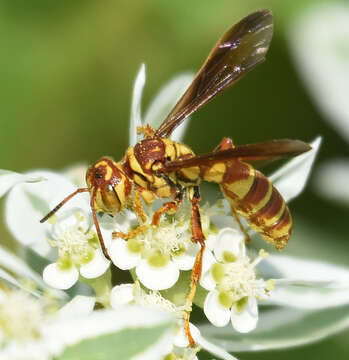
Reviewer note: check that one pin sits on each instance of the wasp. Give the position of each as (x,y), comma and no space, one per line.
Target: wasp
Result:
(158,167)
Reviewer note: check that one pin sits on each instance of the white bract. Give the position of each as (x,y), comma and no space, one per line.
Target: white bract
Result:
(178,349)
(319,39)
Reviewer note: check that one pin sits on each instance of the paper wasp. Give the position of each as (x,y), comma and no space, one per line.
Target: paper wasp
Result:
(157,167)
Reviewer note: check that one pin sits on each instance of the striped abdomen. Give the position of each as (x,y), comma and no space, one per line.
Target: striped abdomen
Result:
(253,196)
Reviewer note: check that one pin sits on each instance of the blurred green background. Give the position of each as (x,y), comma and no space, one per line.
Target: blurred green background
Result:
(67,70)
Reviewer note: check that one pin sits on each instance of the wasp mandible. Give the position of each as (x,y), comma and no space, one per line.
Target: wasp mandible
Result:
(157,167)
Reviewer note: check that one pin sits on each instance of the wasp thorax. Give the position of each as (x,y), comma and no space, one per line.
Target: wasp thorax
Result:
(108,185)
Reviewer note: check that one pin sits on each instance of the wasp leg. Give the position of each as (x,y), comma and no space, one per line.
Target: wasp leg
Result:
(197,237)
(225,144)
(242,228)
(169,207)
(140,212)
(130,234)
(138,205)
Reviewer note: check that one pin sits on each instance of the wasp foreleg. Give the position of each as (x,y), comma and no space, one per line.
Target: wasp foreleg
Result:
(138,208)
(169,207)
(197,237)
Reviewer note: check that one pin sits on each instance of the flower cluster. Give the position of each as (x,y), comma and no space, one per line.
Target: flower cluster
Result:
(232,285)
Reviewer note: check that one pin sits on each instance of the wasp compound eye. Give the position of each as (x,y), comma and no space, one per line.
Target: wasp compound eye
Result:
(98,175)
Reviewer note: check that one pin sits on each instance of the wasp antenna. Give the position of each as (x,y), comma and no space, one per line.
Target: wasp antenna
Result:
(53,211)
(99,233)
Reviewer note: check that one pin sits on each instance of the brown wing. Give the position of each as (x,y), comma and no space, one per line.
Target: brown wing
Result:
(239,50)
(274,149)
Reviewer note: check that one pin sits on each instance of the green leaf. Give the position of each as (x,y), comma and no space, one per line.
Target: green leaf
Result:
(282,328)
(123,344)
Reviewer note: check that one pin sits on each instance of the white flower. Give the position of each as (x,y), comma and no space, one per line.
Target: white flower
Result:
(78,251)
(71,230)
(232,283)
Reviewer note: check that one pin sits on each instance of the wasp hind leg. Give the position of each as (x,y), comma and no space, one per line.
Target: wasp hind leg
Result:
(197,237)
(241,226)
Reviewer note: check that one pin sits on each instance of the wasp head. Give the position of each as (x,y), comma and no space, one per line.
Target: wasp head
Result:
(108,186)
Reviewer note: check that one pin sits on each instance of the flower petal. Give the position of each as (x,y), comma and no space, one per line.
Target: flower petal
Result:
(186,260)
(246,320)
(207,281)
(214,311)
(8,179)
(165,100)
(60,279)
(136,117)
(290,179)
(121,256)
(71,218)
(96,267)
(229,240)
(181,338)
(207,261)
(331,180)
(79,305)
(157,278)
(121,295)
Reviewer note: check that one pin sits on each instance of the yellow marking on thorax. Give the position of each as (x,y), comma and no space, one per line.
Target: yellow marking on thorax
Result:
(135,165)
(191,173)
(182,149)
(170,151)
(215,173)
